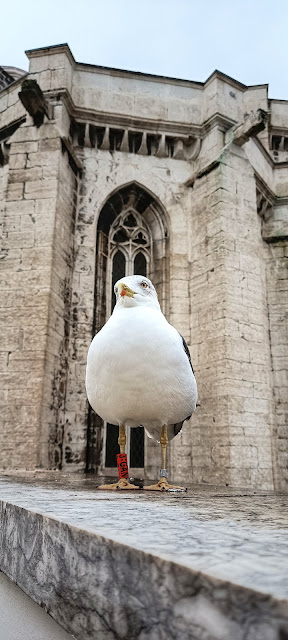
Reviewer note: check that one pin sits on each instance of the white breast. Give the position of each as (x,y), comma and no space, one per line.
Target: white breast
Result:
(138,371)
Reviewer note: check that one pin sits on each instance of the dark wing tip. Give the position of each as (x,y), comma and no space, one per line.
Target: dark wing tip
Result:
(178,428)
(179,425)
(185,346)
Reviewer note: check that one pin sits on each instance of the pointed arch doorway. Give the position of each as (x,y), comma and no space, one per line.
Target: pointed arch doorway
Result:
(132,238)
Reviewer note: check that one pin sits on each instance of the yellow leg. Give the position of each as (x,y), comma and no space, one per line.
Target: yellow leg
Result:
(123,483)
(163,484)
(164,443)
(122,438)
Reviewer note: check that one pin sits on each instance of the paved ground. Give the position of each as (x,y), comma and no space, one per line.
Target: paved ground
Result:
(23,619)
(209,563)
(234,535)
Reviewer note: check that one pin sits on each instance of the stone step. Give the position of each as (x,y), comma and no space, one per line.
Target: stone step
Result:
(210,564)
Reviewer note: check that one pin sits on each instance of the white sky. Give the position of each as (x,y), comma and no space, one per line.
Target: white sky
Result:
(246,39)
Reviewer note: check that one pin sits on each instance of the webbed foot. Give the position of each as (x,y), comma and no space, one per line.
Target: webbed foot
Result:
(163,485)
(121,485)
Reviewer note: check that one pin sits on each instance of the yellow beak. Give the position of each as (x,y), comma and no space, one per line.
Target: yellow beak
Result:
(125,291)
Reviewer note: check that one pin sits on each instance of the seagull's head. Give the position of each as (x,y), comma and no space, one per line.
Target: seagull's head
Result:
(134,291)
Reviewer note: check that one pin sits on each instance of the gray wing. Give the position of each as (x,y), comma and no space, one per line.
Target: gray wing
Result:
(178,427)
(185,347)
(174,429)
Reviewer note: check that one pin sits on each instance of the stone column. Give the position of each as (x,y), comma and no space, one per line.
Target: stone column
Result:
(60,321)
(179,449)
(231,429)
(276,233)
(38,245)
(28,231)
(81,323)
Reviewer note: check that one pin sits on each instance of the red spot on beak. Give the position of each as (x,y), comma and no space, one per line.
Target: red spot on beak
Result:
(123,293)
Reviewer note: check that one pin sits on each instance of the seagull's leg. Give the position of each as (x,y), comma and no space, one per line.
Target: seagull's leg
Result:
(123,482)
(163,484)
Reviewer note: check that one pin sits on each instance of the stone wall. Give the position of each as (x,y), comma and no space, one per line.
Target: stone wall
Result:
(27,257)
(277,272)
(224,254)
(40,190)
(60,310)
(229,332)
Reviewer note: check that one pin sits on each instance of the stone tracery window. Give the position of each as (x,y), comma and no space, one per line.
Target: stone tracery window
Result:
(129,250)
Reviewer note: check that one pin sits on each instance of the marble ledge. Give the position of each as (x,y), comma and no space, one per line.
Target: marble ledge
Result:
(211,564)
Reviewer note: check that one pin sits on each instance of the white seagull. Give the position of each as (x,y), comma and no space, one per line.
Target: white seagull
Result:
(139,372)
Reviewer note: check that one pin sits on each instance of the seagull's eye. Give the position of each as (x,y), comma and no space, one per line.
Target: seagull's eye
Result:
(115,290)
(144,285)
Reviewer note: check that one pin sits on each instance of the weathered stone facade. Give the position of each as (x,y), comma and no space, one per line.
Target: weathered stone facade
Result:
(206,166)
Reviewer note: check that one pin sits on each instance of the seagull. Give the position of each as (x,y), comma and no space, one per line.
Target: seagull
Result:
(139,372)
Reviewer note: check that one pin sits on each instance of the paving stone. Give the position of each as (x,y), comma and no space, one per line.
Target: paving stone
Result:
(210,563)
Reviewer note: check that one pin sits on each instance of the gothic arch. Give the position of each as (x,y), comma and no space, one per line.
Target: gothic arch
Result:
(147,196)
(135,198)
(132,234)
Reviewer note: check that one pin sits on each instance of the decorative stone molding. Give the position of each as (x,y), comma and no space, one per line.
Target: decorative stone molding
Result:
(148,143)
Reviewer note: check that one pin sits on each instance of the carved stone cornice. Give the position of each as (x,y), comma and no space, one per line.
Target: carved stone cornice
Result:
(103,118)
(147,143)
(121,120)
(178,140)
(217,120)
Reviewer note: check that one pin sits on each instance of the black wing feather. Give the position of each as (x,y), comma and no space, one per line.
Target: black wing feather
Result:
(185,346)
(179,425)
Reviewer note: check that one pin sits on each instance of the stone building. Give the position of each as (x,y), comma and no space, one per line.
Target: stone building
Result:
(111,172)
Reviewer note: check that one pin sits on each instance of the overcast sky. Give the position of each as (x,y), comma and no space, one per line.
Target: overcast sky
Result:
(246,39)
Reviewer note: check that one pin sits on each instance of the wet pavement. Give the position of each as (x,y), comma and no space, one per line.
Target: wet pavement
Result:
(232,534)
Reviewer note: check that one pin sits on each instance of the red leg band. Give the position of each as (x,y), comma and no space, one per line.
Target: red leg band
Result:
(122,464)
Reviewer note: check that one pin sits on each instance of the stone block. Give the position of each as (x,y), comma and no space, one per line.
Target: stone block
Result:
(45,206)
(19,208)
(9,340)
(188,614)
(25,134)
(49,144)
(23,147)
(40,189)
(25,175)
(18,161)
(11,223)
(15,191)
(36,258)
(19,239)
(43,159)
